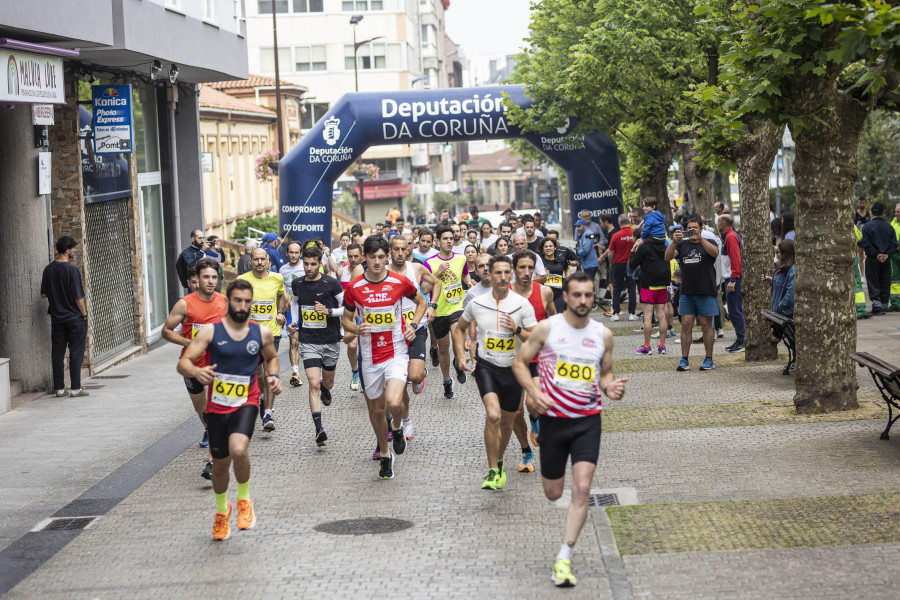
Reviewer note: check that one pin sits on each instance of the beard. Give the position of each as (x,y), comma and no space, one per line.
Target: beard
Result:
(580,311)
(238,316)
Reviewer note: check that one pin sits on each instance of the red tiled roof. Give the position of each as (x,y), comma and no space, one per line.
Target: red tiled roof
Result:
(211,98)
(252,82)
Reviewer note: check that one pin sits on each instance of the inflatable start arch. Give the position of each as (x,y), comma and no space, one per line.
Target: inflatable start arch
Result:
(360,120)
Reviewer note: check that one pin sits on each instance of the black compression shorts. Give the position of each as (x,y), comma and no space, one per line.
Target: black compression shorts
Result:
(492,379)
(220,427)
(441,325)
(561,438)
(417,346)
(193,386)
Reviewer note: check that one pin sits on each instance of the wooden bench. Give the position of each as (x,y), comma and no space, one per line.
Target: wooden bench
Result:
(887,379)
(783,329)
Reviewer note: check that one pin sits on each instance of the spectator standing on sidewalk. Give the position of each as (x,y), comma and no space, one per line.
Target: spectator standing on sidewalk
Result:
(61,285)
(895,263)
(620,245)
(244,262)
(270,245)
(189,257)
(731,270)
(587,254)
(879,241)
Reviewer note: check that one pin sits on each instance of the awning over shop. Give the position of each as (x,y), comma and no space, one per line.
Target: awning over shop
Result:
(384,191)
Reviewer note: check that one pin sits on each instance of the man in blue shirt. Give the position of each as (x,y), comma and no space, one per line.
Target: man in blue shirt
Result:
(587,254)
(270,245)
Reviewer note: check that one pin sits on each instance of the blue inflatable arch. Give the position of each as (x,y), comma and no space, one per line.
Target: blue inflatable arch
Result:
(360,120)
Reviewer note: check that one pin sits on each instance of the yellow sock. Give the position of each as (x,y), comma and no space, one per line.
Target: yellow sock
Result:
(244,490)
(222,503)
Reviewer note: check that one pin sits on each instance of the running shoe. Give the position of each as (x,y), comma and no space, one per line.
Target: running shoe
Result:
(221,531)
(354,382)
(633,317)
(490,482)
(399,441)
(460,374)
(707,364)
(501,477)
(206,473)
(671,333)
(268,423)
(719,333)
(644,350)
(654,335)
(295,380)
(418,388)
(527,464)
(535,431)
(448,389)
(608,312)
(661,349)
(377,454)
(387,467)
(246,514)
(562,574)
(407,429)
(683,365)
(325,395)
(614,317)
(736,347)
(639,328)
(435,361)
(698,340)
(321,437)
(204,441)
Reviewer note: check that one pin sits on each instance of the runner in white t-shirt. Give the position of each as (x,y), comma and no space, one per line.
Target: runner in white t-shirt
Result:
(291,271)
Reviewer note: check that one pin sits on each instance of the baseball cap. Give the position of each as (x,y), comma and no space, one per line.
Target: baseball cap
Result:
(580,222)
(269,237)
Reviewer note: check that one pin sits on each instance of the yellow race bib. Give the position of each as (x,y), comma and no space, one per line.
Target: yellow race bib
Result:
(554,281)
(312,319)
(262,310)
(230,390)
(381,318)
(574,374)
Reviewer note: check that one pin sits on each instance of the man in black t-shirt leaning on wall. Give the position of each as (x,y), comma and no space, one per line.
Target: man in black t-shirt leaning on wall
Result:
(697,257)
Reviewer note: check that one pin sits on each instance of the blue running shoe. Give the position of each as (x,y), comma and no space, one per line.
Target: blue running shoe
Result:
(683,365)
(707,364)
(204,441)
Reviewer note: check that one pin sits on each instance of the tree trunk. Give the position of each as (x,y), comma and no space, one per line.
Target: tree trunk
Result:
(698,180)
(825,170)
(724,192)
(754,155)
(657,183)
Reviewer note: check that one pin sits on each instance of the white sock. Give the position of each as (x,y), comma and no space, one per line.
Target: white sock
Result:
(267,412)
(565,553)
(295,369)
(407,421)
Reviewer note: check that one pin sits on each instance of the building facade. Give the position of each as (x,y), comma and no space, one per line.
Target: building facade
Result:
(131,213)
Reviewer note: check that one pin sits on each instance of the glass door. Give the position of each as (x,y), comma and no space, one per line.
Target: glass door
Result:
(153,247)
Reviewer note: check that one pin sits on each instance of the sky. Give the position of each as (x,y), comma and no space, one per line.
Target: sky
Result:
(487,27)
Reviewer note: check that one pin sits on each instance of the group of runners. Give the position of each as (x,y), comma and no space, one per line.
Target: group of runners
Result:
(527,345)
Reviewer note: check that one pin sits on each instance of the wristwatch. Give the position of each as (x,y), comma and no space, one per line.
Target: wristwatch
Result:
(518,330)
(432,305)
(330,312)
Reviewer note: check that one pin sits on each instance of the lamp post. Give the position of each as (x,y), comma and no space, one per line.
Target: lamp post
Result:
(354,20)
(361,177)
(278,121)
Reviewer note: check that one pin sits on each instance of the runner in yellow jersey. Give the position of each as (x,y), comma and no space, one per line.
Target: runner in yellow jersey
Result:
(453,272)
(268,310)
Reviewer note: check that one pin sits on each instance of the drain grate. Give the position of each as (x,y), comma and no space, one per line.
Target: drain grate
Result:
(363,526)
(67,524)
(110,376)
(603,500)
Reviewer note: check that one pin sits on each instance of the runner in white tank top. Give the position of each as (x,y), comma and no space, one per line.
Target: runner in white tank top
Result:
(575,366)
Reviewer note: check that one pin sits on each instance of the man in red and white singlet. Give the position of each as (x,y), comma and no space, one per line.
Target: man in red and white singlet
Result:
(575,366)
(383,333)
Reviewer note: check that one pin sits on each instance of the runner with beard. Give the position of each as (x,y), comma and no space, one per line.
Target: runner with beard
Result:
(574,356)
(354,259)
(233,347)
(291,271)
(316,311)
(191,313)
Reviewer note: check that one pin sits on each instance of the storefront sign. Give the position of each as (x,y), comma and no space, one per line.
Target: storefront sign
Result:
(206,162)
(31,78)
(113,123)
(42,114)
(103,176)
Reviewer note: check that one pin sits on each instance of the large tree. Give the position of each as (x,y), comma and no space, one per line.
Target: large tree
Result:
(819,68)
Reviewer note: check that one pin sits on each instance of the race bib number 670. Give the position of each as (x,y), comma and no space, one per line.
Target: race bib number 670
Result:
(230,390)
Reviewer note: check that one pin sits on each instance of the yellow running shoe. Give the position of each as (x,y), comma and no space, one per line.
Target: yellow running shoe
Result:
(562,574)
(221,531)
(490,482)
(501,477)
(246,516)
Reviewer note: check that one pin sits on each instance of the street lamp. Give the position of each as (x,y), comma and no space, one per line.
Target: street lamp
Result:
(361,177)
(354,20)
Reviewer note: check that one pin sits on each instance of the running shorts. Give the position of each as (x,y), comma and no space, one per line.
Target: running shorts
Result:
(654,295)
(375,377)
(193,386)
(441,325)
(492,379)
(221,426)
(561,438)
(320,355)
(417,346)
(277,342)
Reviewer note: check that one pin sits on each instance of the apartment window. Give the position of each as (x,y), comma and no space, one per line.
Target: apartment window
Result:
(267,59)
(265,6)
(362,5)
(309,58)
(311,112)
(424,34)
(302,6)
(176,4)
(375,56)
(208,7)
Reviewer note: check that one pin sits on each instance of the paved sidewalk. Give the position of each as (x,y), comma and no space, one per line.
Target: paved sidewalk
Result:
(464,542)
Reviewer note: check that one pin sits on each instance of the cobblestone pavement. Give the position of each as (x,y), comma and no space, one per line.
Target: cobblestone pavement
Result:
(465,542)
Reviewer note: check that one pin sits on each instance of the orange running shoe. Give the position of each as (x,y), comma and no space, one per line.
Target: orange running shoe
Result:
(221,531)
(246,516)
